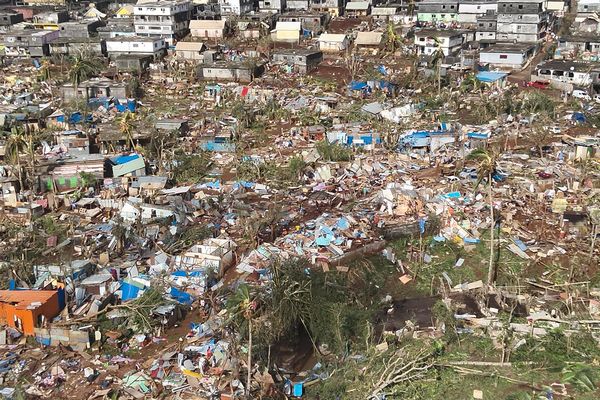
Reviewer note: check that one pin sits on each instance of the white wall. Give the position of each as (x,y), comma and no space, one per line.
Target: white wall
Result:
(148,47)
(505,59)
(162,10)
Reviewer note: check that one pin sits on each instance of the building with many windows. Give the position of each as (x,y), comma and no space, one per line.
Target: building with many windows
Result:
(165,19)
(521,21)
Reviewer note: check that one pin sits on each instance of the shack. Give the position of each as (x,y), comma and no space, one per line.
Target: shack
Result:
(26,310)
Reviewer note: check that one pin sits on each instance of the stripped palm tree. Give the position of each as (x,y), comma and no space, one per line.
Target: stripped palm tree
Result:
(45,70)
(242,307)
(486,167)
(126,127)
(437,58)
(15,145)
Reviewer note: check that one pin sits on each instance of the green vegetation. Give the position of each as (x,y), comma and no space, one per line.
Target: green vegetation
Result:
(333,151)
(191,168)
(279,176)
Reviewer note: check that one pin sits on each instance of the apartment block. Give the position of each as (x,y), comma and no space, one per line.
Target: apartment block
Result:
(165,19)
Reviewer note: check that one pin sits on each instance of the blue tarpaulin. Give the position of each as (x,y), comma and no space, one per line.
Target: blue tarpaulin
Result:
(130,290)
(125,159)
(181,297)
(219,147)
(354,85)
(298,389)
(578,117)
(478,135)
(490,77)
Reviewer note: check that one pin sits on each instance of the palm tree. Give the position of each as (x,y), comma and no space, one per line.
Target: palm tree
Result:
(470,84)
(126,125)
(486,167)
(392,39)
(411,7)
(540,134)
(82,68)
(15,145)
(437,57)
(242,307)
(45,70)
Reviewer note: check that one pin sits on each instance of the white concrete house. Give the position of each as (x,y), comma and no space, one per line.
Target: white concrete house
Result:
(287,31)
(136,45)
(469,10)
(236,7)
(507,56)
(427,41)
(190,51)
(210,29)
(333,42)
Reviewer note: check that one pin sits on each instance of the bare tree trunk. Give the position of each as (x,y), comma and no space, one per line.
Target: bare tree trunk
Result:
(439,79)
(594,233)
(491,274)
(20,171)
(249,358)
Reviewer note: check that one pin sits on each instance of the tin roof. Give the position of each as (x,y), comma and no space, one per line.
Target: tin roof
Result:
(26,299)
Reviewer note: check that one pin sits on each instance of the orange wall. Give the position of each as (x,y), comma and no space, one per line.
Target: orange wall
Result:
(29,317)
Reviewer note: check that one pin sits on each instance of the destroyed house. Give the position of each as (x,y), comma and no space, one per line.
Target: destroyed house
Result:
(427,140)
(73,46)
(28,43)
(173,124)
(298,60)
(26,310)
(73,141)
(67,174)
(73,271)
(49,17)
(215,254)
(580,46)
(95,88)
(590,25)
